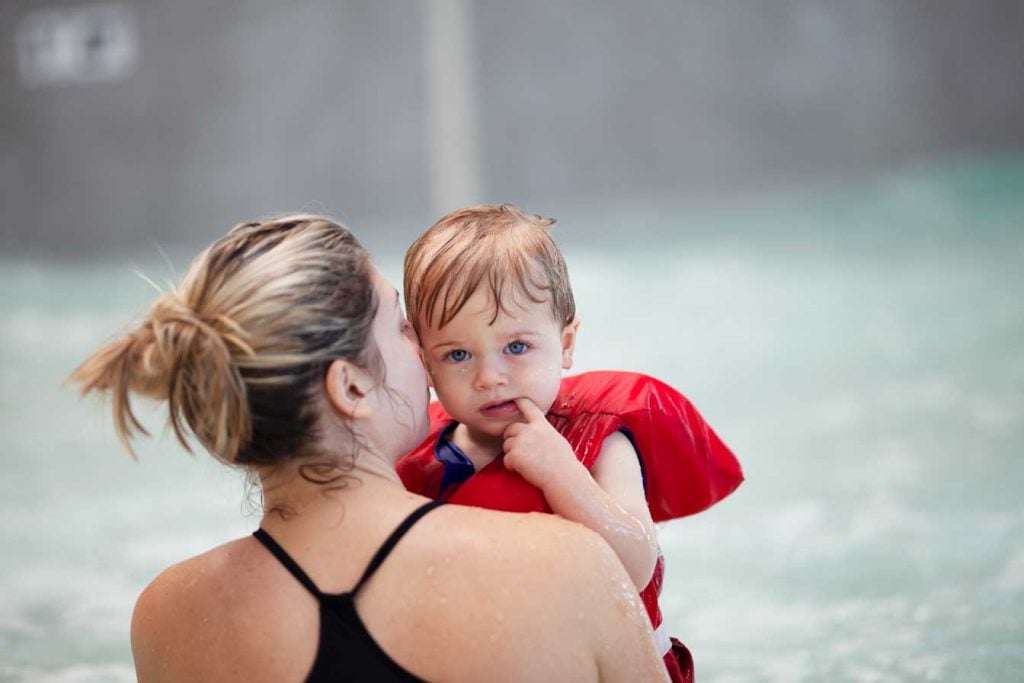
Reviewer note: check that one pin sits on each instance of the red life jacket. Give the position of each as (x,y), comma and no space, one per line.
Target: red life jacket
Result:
(686,467)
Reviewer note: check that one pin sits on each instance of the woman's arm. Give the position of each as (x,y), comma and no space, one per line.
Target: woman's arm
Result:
(609,500)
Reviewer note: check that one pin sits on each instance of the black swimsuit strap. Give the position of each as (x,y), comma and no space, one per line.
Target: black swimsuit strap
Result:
(286,559)
(393,540)
(293,567)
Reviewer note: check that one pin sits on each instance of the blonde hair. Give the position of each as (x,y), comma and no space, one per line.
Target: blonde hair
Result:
(240,348)
(499,243)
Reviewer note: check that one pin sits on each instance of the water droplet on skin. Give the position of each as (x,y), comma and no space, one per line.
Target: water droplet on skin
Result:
(430,570)
(500,617)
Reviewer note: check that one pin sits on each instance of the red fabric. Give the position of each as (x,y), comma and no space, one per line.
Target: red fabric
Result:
(679,663)
(686,466)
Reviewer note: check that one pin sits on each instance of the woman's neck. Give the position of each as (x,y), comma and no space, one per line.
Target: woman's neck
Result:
(309,486)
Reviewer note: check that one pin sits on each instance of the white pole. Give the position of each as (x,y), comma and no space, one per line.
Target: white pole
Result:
(454,155)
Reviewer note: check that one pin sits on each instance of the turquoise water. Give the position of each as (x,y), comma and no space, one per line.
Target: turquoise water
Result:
(860,348)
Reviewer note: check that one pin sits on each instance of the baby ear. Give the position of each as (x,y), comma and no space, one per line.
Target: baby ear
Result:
(569,333)
(347,385)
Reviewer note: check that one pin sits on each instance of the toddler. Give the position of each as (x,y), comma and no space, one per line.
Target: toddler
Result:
(488,293)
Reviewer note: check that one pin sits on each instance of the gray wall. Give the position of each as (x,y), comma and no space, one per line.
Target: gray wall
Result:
(240,109)
(235,110)
(671,95)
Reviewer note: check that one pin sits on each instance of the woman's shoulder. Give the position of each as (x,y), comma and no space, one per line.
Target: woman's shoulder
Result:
(528,593)
(518,535)
(194,581)
(501,554)
(198,616)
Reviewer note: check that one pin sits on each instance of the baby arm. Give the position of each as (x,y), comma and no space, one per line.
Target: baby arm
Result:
(609,500)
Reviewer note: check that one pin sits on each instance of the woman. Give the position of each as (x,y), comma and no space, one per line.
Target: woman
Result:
(285,352)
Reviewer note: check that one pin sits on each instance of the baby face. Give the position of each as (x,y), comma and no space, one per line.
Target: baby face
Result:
(478,367)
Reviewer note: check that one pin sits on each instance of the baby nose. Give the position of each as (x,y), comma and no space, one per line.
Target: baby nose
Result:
(490,375)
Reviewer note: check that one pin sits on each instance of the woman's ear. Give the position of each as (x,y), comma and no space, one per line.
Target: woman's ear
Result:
(347,385)
(426,368)
(569,333)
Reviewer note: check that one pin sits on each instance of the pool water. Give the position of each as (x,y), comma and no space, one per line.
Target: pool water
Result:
(860,348)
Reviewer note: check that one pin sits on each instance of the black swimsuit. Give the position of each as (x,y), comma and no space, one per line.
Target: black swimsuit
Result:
(347,651)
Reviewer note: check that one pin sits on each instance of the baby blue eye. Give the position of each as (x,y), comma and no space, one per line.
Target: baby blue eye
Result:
(458,355)
(516,348)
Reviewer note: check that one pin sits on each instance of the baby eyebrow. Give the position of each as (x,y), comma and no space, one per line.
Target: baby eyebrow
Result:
(522,334)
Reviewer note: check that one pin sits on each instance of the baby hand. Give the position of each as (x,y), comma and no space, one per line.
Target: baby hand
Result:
(535,449)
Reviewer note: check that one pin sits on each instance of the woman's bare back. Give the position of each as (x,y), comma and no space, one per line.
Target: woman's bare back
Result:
(466,595)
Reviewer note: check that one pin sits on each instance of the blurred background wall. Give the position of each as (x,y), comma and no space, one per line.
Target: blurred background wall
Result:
(125,124)
(807,215)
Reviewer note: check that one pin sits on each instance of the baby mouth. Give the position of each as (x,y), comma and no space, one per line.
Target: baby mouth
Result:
(499,408)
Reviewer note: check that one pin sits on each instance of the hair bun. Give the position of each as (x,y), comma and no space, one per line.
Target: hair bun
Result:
(239,348)
(170,307)
(192,361)
(178,338)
